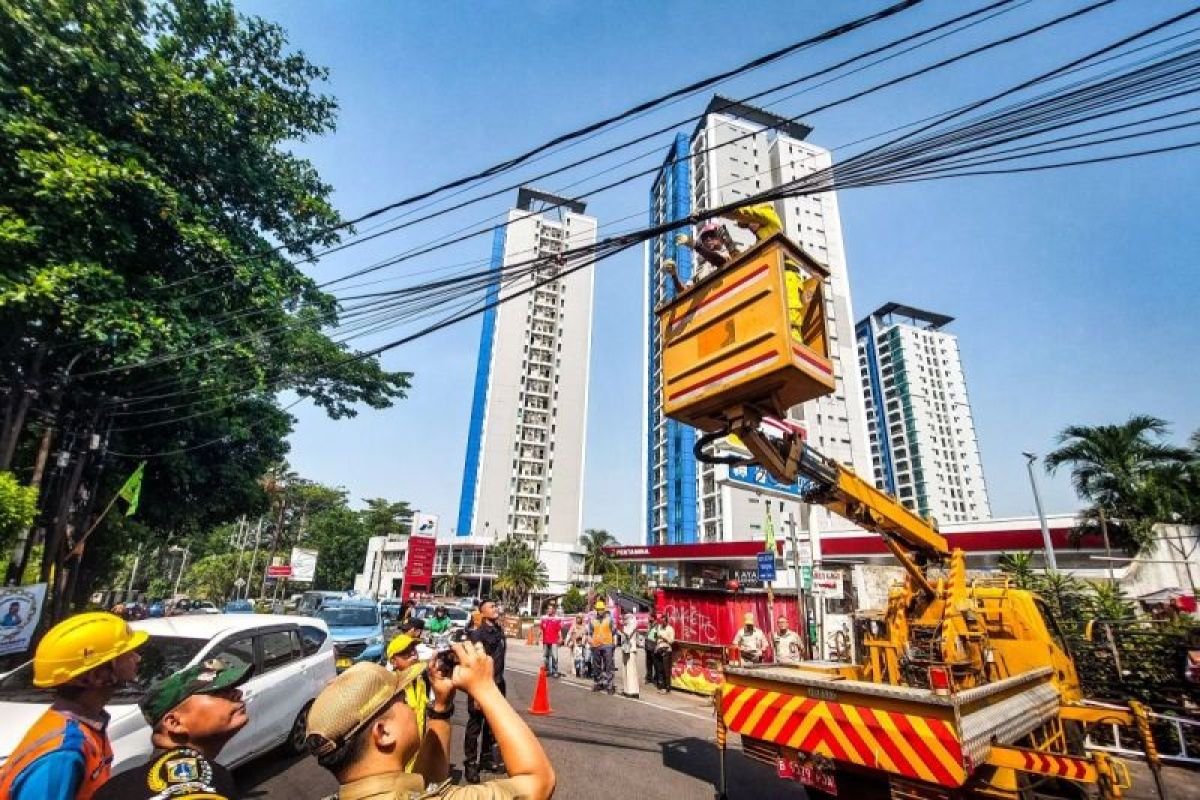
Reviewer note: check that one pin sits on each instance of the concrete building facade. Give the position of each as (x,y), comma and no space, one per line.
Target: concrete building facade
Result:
(919,422)
(523,475)
(735,152)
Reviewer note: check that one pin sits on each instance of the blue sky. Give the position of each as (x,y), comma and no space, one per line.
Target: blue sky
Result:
(1074,292)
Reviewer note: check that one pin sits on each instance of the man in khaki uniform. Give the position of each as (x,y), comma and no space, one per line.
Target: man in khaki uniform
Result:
(361,730)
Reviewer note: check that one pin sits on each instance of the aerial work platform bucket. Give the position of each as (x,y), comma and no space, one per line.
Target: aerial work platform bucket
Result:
(748,335)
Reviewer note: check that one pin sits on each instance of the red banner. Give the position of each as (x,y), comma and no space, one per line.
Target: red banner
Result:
(279,571)
(418,569)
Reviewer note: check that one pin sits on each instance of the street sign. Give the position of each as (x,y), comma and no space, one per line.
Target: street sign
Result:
(279,571)
(304,564)
(828,583)
(806,578)
(766,566)
(804,553)
(240,582)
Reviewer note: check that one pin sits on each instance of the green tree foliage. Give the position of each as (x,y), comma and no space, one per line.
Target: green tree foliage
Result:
(18,504)
(521,576)
(452,584)
(574,601)
(1124,471)
(595,560)
(1019,568)
(386,518)
(340,538)
(211,578)
(150,210)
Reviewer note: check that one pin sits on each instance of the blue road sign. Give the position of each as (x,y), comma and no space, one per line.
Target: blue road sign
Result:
(766,566)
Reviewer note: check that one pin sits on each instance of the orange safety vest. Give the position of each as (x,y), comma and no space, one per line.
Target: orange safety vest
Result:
(602,632)
(56,730)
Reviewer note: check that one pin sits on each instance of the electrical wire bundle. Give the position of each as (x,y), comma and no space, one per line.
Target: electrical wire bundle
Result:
(1130,109)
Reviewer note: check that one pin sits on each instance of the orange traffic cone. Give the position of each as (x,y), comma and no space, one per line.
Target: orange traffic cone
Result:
(541,695)
(529,634)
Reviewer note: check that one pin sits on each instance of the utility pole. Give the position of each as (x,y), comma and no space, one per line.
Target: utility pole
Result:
(182,566)
(137,559)
(1112,575)
(253,557)
(801,595)
(1037,501)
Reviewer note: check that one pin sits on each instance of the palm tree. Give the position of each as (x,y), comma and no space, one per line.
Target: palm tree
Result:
(1110,467)
(451,583)
(519,577)
(1019,567)
(595,560)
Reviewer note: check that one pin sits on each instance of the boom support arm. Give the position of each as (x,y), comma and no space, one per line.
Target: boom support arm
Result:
(912,539)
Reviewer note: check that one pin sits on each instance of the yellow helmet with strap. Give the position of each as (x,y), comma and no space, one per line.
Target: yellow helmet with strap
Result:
(82,643)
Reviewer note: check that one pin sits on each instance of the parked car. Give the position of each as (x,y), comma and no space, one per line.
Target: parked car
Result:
(203,607)
(354,626)
(311,602)
(292,659)
(239,607)
(459,617)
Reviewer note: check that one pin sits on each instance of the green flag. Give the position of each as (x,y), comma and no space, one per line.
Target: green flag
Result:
(131,492)
(770,526)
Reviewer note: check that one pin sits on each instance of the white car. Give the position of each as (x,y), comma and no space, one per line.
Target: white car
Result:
(292,658)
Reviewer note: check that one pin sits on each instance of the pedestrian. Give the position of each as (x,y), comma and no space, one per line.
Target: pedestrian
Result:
(480,740)
(651,659)
(788,647)
(476,617)
(402,654)
(360,733)
(551,627)
(439,623)
(750,642)
(192,715)
(664,641)
(630,645)
(66,755)
(577,640)
(601,637)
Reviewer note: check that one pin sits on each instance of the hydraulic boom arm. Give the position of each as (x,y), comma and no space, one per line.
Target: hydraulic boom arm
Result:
(913,540)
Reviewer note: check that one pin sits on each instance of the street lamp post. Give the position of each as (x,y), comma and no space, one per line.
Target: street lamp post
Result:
(1037,501)
(482,563)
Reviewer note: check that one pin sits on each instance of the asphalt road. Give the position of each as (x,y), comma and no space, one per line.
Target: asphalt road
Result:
(606,747)
(602,747)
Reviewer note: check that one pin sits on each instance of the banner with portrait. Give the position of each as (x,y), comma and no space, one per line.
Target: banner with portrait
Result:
(20,610)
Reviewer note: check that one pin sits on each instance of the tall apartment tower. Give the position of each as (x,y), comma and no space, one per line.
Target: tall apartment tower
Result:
(919,420)
(525,445)
(737,151)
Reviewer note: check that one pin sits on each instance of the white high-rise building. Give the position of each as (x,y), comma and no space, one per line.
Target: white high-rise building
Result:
(525,448)
(688,501)
(922,434)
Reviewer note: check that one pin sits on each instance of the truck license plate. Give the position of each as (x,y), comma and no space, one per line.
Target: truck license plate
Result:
(806,772)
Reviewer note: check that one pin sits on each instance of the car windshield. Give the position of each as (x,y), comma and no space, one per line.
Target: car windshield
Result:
(349,616)
(161,656)
(456,614)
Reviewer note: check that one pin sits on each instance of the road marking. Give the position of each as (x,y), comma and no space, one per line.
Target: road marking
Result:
(571,682)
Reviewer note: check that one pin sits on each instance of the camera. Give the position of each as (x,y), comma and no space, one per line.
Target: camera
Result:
(447,660)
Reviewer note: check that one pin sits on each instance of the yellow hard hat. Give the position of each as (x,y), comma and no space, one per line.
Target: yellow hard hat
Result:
(399,644)
(600,605)
(82,643)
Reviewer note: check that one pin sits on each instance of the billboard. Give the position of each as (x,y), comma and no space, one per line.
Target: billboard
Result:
(304,564)
(418,568)
(752,476)
(425,525)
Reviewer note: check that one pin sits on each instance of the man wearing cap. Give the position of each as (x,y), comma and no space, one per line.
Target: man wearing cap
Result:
(192,714)
(750,642)
(479,740)
(66,755)
(402,655)
(360,729)
(601,636)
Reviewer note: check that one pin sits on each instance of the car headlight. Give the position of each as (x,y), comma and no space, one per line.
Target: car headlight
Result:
(374,640)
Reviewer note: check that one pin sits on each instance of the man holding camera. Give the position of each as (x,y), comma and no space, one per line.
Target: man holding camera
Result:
(360,729)
(480,740)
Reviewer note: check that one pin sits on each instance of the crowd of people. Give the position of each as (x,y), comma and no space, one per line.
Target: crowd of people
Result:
(382,730)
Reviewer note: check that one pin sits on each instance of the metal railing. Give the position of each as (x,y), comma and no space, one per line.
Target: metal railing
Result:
(1171,736)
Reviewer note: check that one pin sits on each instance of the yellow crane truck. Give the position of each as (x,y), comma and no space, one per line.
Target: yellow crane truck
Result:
(964,688)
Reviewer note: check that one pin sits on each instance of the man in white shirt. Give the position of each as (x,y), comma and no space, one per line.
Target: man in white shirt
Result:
(750,642)
(788,647)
